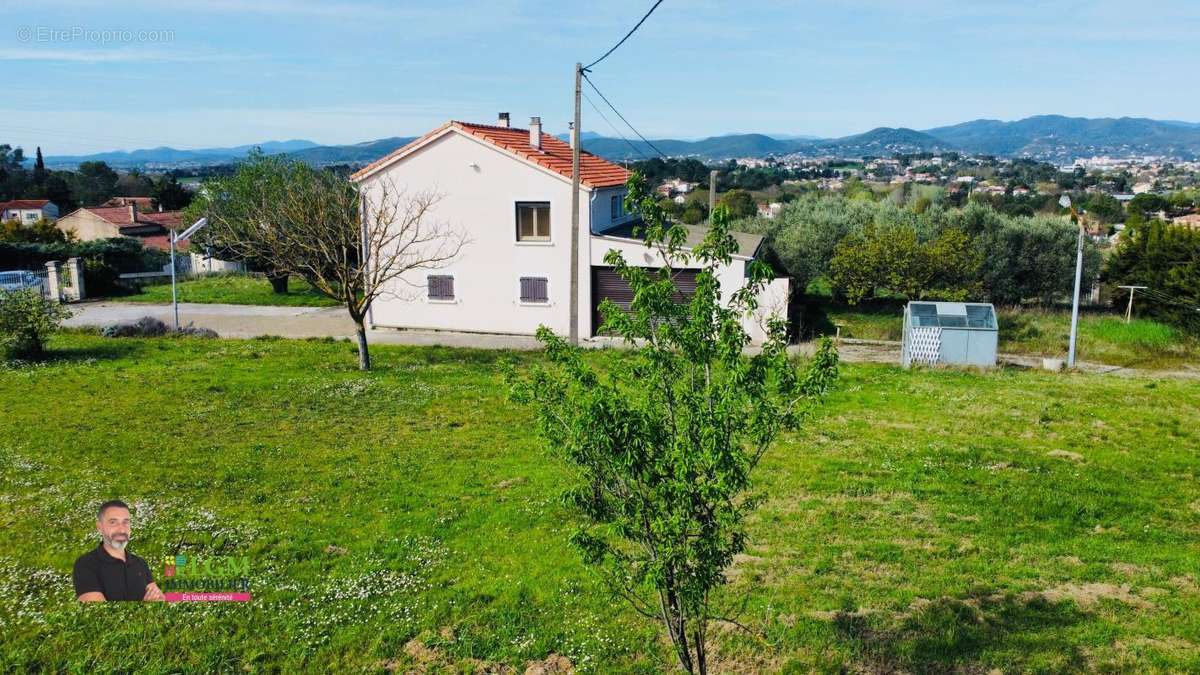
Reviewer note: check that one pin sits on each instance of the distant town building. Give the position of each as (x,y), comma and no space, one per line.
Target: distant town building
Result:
(1191,220)
(144,204)
(769,210)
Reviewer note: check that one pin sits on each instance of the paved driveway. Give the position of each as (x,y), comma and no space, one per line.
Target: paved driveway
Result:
(246,321)
(228,320)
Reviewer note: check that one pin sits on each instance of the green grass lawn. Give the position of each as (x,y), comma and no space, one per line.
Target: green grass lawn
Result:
(925,521)
(1103,337)
(233,289)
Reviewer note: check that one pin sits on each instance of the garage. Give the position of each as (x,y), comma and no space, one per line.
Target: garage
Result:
(606,283)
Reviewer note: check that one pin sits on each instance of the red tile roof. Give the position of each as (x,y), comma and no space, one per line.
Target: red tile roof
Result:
(168,219)
(24,204)
(117,215)
(120,216)
(554,155)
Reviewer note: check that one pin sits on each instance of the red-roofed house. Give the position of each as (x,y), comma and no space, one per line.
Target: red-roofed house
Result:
(103,222)
(28,211)
(509,190)
(152,229)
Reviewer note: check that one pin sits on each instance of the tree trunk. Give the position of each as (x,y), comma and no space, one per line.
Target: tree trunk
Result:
(364,357)
(279,282)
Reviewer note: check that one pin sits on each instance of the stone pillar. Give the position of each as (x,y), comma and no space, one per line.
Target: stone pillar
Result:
(75,269)
(53,288)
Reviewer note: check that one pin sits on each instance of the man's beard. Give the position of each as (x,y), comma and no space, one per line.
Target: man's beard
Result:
(114,544)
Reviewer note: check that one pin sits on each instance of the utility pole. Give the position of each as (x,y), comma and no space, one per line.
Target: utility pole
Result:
(1065,202)
(574,331)
(712,192)
(1129,307)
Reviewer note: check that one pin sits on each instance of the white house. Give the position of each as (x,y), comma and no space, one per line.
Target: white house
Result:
(28,211)
(509,190)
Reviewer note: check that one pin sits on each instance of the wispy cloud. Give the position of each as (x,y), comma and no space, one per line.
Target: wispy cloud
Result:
(114,55)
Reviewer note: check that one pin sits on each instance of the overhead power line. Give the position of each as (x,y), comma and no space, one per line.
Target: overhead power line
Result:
(631,32)
(618,112)
(613,127)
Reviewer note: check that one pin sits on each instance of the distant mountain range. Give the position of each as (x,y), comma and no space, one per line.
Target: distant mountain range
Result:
(164,156)
(1046,137)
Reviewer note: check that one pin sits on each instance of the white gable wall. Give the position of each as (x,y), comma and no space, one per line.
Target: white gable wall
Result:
(480,200)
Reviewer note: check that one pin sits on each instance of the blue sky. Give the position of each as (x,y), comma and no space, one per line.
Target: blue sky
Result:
(202,73)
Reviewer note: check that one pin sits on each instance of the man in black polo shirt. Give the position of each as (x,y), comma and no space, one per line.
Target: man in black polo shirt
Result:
(109,572)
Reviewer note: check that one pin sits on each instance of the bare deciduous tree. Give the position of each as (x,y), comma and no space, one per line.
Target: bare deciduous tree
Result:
(352,244)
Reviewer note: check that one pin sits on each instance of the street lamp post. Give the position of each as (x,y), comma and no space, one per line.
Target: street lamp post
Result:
(174,238)
(1065,202)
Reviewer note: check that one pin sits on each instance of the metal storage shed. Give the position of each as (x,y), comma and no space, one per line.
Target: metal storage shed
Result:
(963,333)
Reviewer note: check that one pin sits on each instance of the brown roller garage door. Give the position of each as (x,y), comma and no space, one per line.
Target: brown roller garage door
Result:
(607,284)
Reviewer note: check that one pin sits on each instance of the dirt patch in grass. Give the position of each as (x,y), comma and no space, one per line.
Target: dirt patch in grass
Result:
(1128,569)
(1088,596)
(1066,454)
(421,658)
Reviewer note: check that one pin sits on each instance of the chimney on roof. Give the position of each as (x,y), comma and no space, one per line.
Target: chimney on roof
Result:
(535,132)
(503,122)
(133,213)
(571,134)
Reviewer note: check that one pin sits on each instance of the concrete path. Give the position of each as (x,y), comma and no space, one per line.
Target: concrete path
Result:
(241,321)
(246,321)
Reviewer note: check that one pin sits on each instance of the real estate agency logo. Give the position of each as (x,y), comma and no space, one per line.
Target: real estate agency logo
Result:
(206,578)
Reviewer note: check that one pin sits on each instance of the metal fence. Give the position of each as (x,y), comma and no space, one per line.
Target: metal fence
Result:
(19,280)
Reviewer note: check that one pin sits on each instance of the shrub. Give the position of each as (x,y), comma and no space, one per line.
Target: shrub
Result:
(196,331)
(1166,259)
(26,321)
(147,326)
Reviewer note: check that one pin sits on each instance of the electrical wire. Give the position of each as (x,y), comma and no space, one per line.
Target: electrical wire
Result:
(612,126)
(618,112)
(631,32)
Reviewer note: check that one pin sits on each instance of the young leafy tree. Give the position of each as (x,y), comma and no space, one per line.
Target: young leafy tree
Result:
(664,439)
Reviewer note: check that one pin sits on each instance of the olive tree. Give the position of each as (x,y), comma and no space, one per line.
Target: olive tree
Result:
(664,437)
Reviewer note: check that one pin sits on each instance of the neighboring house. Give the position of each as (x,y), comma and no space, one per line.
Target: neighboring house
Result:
(144,204)
(28,211)
(152,229)
(102,222)
(509,190)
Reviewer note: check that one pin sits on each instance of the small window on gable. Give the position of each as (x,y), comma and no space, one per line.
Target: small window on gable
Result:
(441,286)
(535,289)
(533,221)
